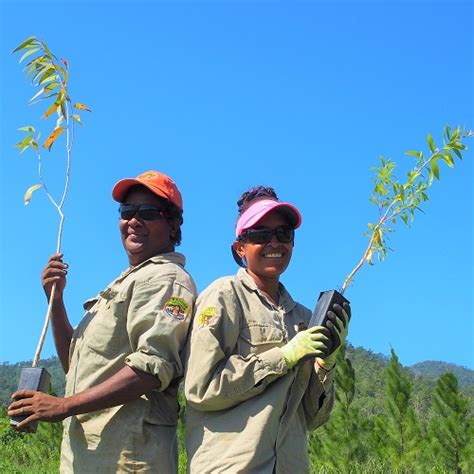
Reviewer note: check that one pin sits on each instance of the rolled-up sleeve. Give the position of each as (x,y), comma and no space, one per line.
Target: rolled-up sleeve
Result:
(158,319)
(216,377)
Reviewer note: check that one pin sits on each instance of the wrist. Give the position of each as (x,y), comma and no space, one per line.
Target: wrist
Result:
(288,357)
(70,407)
(326,364)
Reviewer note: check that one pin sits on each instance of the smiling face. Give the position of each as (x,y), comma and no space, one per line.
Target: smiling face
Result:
(144,239)
(266,261)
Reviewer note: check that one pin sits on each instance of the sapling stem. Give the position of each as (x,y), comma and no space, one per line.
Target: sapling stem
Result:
(407,196)
(52,77)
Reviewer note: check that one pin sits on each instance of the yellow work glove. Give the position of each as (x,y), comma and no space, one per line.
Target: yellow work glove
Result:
(338,325)
(310,342)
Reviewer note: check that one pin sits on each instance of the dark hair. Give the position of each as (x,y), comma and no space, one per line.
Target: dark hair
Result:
(172,212)
(257,192)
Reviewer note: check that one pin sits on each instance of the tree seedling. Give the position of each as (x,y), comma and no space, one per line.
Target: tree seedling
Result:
(396,201)
(50,76)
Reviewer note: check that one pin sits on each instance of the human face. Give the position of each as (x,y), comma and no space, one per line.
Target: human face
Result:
(144,239)
(267,261)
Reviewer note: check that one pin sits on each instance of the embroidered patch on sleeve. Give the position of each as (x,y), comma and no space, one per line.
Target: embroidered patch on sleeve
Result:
(206,315)
(176,308)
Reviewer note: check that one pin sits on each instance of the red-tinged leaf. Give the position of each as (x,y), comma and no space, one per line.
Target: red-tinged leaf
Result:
(64,61)
(25,44)
(52,137)
(80,106)
(50,111)
(29,193)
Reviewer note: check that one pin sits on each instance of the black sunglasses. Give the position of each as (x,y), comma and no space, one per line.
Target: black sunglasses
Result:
(264,235)
(144,212)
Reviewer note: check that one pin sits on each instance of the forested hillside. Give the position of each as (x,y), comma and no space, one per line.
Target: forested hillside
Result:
(387,418)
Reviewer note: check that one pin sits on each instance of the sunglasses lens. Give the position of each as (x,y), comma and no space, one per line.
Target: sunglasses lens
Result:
(146,213)
(149,214)
(284,235)
(127,212)
(260,236)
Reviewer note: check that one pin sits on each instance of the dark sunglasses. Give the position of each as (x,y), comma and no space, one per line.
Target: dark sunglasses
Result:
(264,235)
(145,212)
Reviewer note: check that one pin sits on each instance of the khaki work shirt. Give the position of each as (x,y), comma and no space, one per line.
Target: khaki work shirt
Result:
(141,319)
(246,411)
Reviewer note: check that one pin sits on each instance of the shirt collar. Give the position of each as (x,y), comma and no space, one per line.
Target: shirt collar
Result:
(170,257)
(286,301)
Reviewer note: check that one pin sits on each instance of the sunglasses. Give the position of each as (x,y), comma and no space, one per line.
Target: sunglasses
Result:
(264,235)
(144,212)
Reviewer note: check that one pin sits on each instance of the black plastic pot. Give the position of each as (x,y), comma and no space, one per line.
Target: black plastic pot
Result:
(32,378)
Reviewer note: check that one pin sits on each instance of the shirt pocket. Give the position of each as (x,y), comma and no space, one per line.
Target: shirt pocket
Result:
(256,338)
(106,332)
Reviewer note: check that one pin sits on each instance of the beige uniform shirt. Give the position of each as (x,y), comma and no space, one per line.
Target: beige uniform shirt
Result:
(141,319)
(246,412)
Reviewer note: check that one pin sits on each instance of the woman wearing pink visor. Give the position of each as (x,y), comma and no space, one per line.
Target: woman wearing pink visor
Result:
(257,380)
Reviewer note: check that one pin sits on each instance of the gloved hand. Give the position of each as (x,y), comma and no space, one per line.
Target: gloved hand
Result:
(310,342)
(338,325)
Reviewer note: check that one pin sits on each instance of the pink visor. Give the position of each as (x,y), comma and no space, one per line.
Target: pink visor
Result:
(261,208)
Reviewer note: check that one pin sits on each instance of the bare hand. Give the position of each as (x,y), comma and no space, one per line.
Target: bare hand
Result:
(37,406)
(54,272)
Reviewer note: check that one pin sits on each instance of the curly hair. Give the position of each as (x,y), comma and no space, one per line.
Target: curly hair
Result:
(257,192)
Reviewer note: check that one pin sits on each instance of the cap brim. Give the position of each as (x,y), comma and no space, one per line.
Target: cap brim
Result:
(287,209)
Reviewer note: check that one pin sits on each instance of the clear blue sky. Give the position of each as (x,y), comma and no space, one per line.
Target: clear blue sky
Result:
(302,96)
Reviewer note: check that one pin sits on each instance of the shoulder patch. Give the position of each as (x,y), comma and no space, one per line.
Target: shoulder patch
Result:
(206,315)
(176,308)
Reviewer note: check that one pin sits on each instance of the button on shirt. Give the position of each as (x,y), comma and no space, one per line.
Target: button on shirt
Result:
(246,411)
(141,320)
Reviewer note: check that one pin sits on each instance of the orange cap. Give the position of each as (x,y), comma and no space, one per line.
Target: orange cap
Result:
(157,183)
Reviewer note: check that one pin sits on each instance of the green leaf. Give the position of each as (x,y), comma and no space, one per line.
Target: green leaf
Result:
(59,121)
(447,132)
(77,118)
(28,53)
(458,153)
(37,94)
(431,144)
(41,70)
(447,157)
(46,49)
(29,193)
(46,75)
(418,154)
(27,128)
(430,177)
(25,44)
(435,168)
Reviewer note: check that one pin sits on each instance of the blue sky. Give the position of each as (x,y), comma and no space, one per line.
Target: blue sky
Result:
(301,96)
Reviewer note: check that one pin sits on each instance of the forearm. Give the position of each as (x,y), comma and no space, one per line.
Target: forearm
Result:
(62,331)
(237,380)
(126,385)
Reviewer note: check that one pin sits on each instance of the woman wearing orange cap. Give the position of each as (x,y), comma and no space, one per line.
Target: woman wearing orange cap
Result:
(123,362)
(252,383)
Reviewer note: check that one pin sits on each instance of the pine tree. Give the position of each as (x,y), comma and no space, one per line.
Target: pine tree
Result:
(343,443)
(451,429)
(397,436)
